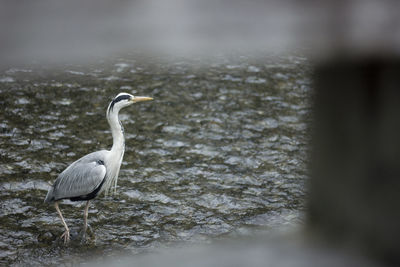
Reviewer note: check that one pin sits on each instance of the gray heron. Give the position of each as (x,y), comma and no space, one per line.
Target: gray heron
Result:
(96,172)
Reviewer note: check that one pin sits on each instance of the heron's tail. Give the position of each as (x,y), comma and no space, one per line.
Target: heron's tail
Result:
(50,195)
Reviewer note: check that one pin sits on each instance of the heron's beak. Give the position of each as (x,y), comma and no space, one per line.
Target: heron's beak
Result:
(141,98)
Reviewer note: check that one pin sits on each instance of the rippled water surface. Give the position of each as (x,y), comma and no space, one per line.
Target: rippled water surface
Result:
(220,152)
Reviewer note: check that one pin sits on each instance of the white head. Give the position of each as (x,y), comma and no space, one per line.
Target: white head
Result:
(123,100)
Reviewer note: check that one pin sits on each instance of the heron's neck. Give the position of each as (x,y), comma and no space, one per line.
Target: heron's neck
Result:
(117,131)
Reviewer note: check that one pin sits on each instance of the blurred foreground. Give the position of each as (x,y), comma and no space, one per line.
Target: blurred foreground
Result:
(75,31)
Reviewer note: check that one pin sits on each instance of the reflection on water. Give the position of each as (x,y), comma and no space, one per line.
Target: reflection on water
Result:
(220,152)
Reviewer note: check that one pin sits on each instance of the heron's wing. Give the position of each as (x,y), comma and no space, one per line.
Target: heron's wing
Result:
(81,178)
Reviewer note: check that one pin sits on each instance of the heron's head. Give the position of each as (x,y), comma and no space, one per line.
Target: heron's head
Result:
(124,99)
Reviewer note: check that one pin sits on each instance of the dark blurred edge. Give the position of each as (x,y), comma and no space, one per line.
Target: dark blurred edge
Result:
(355,163)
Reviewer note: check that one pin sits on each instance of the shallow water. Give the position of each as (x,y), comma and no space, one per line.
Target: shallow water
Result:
(221,152)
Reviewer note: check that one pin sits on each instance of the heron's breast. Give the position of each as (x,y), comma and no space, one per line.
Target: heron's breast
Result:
(113,164)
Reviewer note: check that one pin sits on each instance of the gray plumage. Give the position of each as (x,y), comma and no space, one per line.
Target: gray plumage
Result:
(96,172)
(80,178)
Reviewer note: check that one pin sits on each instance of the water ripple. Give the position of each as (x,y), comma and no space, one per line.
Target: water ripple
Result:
(221,149)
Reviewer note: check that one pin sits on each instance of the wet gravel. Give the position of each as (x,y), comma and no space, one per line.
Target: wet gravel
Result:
(221,152)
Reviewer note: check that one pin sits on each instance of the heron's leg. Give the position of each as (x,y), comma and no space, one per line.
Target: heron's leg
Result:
(65,235)
(85,215)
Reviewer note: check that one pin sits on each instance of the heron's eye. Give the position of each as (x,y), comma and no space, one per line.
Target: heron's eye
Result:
(118,99)
(122,97)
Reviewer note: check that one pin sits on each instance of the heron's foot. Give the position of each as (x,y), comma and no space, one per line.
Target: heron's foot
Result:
(86,229)
(83,234)
(87,235)
(65,235)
